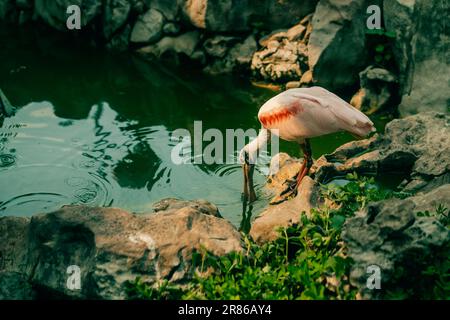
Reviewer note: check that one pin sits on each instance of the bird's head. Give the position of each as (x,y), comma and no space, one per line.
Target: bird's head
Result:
(247,155)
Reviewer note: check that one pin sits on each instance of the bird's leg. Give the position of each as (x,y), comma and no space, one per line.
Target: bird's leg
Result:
(292,188)
(307,162)
(249,191)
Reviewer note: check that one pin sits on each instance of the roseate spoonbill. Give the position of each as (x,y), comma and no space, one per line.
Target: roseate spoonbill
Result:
(300,114)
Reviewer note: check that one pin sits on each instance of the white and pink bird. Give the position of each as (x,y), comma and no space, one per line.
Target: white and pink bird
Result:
(297,115)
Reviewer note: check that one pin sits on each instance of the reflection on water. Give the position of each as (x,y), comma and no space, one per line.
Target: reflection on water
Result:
(95,128)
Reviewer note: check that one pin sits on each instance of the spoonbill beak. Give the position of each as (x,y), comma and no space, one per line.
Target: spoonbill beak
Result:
(249,191)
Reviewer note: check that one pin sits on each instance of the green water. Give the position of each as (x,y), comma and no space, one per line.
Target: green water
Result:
(95,128)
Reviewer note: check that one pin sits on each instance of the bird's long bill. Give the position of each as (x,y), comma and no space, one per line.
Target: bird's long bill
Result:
(249,191)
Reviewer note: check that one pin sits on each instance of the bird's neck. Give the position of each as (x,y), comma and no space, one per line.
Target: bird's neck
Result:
(259,142)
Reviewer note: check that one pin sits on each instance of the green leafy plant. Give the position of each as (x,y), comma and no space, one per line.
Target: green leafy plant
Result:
(380,44)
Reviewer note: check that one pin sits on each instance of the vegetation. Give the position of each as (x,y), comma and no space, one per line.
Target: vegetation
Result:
(380,43)
(307,261)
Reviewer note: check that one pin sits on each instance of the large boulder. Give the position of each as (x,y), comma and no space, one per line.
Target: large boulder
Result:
(337,45)
(54,12)
(112,247)
(396,235)
(421,52)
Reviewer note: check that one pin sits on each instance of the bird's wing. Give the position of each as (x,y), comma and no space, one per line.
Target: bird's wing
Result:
(347,117)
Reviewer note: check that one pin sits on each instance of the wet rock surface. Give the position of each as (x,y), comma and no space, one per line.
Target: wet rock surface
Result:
(111,246)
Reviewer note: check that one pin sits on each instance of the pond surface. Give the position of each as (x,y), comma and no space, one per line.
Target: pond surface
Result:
(95,128)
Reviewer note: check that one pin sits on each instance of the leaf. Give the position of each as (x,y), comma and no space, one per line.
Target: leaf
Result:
(337,221)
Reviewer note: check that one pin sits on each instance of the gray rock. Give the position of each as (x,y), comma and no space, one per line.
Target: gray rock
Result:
(112,246)
(378,90)
(148,27)
(115,14)
(185,43)
(421,52)
(218,46)
(53,12)
(390,235)
(238,57)
(336,47)
(417,147)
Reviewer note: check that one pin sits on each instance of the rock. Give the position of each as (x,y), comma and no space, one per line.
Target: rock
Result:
(218,46)
(54,12)
(296,32)
(306,80)
(112,246)
(378,90)
(284,57)
(183,44)
(421,52)
(416,146)
(171,28)
(14,286)
(14,244)
(391,235)
(292,85)
(238,57)
(242,53)
(276,35)
(115,15)
(238,16)
(288,213)
(148,27)
(337,44)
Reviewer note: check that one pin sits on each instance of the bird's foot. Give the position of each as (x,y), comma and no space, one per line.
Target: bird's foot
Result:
(287,194)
